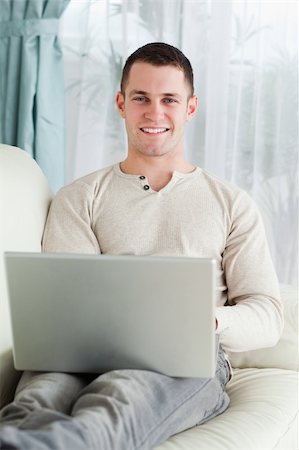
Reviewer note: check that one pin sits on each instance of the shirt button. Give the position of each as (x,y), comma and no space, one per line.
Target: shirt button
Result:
(142,177)
(146,187)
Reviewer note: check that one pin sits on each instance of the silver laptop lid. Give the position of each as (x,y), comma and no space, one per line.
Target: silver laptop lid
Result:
(94,313)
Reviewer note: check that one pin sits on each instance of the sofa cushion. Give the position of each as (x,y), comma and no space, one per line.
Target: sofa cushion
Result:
(262,411)
(24,201)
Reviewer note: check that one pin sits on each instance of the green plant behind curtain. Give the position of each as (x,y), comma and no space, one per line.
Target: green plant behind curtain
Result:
(31,82)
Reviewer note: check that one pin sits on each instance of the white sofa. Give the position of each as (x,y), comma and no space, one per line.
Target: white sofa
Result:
(264,390)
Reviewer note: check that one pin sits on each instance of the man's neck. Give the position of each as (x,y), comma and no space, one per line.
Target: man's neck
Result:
(158,170)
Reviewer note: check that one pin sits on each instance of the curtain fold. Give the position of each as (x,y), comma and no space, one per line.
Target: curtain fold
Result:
(32,86)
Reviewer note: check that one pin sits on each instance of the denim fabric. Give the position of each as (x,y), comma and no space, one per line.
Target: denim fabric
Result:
(119,410)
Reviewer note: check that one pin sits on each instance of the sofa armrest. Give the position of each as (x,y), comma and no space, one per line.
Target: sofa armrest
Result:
(284,354)
(25,197)
(9,377)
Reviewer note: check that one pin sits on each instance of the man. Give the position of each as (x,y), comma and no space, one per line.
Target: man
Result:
(152,203)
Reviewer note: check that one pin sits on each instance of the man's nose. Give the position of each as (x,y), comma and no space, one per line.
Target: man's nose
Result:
(154,111)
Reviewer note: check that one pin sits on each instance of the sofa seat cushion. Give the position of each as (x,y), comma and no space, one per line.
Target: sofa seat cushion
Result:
(262,410)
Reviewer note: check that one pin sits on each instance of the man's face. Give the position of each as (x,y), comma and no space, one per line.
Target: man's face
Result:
(155,108)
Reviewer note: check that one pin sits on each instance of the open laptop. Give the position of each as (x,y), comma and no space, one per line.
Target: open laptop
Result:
(95,313)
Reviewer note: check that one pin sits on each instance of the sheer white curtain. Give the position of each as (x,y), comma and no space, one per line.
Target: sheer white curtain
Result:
(245,59)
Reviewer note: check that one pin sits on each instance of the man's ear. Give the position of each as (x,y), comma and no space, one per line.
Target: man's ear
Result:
(192,107)
(120,103)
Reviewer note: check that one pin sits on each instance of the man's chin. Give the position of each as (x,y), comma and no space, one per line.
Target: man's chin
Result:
(154,152)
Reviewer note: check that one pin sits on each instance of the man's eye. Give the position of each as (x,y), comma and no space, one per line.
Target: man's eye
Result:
(139,99)
(169,100)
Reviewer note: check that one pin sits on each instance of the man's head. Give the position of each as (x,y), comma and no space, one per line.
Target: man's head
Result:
(156,100)
(159,54)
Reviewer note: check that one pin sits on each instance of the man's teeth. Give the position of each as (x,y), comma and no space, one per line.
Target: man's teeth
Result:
(154,130)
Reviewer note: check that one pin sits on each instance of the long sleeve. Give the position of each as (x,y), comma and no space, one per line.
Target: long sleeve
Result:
(69,223)
(253,315)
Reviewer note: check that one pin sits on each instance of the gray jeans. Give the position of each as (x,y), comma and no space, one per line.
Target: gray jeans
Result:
(119,410)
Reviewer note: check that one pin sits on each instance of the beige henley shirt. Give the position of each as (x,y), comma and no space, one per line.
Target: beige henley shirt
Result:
(195,214)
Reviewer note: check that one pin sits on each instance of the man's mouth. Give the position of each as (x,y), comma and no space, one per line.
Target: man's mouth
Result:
(154,130)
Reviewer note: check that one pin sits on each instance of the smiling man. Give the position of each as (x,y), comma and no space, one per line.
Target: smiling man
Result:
(154,202)
(155,118)
(156,101)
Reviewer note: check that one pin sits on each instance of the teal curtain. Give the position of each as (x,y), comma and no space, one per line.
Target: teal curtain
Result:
(31,82)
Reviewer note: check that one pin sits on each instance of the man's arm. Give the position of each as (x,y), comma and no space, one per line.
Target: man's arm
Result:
(253,317)
(69,223)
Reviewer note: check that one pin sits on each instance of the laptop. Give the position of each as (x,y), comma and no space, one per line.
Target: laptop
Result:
(96,313)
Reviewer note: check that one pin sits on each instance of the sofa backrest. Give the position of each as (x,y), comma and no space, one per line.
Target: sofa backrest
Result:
(25,197)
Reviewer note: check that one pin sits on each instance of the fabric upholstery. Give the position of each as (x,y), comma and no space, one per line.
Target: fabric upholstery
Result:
(24,203)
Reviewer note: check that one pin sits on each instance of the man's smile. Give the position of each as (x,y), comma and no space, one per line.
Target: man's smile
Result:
(150,130)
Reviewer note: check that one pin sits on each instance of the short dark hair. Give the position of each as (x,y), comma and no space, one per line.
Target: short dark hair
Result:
(159,54)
